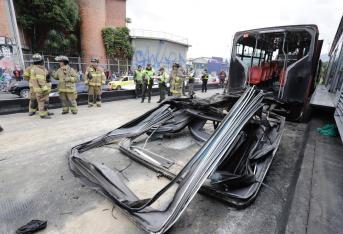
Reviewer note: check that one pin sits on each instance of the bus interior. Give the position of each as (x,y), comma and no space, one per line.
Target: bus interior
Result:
(280,60)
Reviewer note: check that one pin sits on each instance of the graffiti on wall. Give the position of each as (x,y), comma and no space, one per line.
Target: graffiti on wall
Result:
(158,55)
(6,60)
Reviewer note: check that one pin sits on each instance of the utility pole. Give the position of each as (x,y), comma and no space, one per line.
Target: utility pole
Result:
(16,32)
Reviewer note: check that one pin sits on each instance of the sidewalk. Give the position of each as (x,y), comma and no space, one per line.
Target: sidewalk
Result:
(317,205)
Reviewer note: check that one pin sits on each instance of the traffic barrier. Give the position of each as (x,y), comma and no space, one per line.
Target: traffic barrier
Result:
(19,105)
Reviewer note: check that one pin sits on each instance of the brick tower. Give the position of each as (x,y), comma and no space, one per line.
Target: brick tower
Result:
(4,19)
(95,15)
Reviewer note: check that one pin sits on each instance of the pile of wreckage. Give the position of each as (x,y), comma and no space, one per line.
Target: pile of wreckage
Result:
(234,140)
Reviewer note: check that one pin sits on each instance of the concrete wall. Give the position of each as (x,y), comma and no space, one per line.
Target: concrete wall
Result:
(158,52)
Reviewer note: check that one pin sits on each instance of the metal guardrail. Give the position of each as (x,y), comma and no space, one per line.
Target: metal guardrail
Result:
(113,65)
(10,106)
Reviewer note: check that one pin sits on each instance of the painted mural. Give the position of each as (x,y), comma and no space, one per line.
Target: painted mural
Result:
(158,53)
(6,57)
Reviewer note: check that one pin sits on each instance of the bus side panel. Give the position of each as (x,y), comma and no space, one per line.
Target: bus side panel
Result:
(237,76)
(298,82)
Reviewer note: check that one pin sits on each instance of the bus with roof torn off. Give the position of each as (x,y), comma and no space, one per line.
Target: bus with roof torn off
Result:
(282,61)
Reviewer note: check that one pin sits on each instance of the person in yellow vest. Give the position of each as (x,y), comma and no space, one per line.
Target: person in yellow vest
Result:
(176,79)
(40,81)
(94,78)
(67,78)
(162,84)
(138,77)
(148,81)
(204,79)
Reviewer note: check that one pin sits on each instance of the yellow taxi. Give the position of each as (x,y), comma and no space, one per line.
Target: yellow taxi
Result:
(124,82)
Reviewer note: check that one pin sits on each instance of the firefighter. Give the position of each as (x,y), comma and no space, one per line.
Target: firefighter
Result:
(147,83)
(94,78)
(33,105)
(204,79)
(40,87)
(191,75)
(162,84)
(176,79)
(137,77)
(67,78)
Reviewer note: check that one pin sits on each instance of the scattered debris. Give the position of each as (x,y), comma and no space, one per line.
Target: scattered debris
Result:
(230,164)
(32,227)
(328,130)
(64,213)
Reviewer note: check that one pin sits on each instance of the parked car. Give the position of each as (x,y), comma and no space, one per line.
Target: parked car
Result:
(21,88)
(124,82)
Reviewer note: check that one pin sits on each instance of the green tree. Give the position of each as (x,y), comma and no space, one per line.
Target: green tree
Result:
(50,24)
(117,42)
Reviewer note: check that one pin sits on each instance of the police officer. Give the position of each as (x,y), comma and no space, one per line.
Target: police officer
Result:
(204,79)
(176,79)
(137,77)
(40,81)
(94,78)
(148,74)
(162,84)
(191,75)
(67,78)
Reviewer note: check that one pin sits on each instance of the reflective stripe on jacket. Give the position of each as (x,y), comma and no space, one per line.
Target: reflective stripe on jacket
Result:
(138,75)
(36,75)
(61,75)
(163,78)
(148,74)
(98,75)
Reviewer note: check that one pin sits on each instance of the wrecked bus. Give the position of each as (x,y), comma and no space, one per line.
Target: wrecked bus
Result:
(281,60)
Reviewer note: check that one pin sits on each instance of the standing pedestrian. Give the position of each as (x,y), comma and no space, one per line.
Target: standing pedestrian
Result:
(40,87)
(191,75)
(67,78)
(222,76)
(137,77)
(94,78)
(204,79)
(17,74)
(162,84)
(147,82)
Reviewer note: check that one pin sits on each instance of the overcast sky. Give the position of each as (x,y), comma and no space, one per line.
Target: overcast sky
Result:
(210,25)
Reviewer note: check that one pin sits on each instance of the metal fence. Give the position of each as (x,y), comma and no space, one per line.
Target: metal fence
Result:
(113,65)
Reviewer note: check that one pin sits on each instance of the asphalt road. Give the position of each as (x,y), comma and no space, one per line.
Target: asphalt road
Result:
(35,181)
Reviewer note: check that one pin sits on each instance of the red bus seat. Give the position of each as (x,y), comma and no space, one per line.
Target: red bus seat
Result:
(255,75)
(266,71)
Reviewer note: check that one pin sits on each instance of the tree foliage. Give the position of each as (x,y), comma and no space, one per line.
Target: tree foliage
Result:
(49,23)
(117,42)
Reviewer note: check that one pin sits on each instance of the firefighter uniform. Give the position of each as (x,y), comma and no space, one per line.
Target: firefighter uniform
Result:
(33,105)
(67,78)
(176,81)
(147,83)
(138,77)
(94,78)
(191,75)
(162,81)
(204,79)
(40,86)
